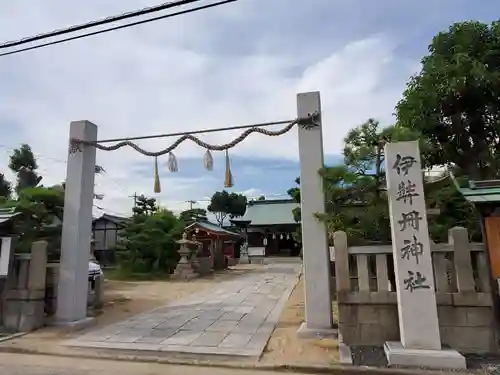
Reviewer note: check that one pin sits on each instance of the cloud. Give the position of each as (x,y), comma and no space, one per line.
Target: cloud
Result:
(235,64)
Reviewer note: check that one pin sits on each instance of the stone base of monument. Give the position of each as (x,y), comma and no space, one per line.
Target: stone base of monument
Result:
(305,332)
(72,326)
(184,274)
(184,271)
(345,354)
(397,355)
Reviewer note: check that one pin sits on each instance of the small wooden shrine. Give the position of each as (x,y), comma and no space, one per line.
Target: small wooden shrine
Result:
(211,236)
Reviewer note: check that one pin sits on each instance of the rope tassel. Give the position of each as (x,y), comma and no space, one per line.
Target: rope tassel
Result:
(208,161)
(172,163)
(157,186)
(228,181)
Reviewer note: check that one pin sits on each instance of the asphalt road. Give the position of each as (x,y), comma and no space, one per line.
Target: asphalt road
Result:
(24,364)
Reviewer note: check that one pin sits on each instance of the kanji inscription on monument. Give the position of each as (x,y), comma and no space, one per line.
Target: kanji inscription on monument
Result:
(417,309)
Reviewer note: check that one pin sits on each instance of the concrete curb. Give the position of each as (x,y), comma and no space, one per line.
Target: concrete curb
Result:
(305,369)
(12,336)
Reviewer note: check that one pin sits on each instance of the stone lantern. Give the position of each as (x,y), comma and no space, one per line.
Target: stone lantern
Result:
(184,269)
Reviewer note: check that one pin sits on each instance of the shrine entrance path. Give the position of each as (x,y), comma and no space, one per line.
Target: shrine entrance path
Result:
(236,318)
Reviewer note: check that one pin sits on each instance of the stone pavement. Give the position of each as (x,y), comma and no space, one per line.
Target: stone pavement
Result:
(236,319)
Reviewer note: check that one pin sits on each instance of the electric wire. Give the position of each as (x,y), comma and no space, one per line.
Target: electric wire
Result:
(99,22)
(119,185)
(103,173)
(117,28)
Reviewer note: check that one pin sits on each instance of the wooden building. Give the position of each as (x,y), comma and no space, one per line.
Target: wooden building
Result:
(105,237)
(485,195)
(211,235)
(270,228)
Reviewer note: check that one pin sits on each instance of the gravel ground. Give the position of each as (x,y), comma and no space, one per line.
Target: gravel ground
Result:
(489,362)
(375,356)
(368,356)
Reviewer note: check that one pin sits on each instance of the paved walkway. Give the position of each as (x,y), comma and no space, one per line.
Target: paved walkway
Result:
(236,318)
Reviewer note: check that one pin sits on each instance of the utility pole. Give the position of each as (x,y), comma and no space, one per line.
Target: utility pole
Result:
(191,204)
(135,199)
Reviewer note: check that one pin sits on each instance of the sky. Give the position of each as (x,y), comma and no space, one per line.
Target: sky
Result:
(240,63)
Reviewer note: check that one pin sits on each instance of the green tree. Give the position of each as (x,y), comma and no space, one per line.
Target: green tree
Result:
(355,196)
(364,154)
(23,164)
(225,204)
(148,243)
(354,192)
(454,209)
(41,210)
(145,206)
(193,215)
(364,148)
(261,198)
(5,187)
(354,204)
(294,193)
(41,207)
(453,101)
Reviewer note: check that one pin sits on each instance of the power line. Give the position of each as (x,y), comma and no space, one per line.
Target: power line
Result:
(99,22)
(36,155)
(104,173)
(117,27)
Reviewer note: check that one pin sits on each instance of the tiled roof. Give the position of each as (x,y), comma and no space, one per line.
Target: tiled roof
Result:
(212,228)
(480,191)
(6,214)
(114,219)
(270,212)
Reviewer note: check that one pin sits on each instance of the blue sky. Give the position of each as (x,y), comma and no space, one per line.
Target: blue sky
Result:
(239,63)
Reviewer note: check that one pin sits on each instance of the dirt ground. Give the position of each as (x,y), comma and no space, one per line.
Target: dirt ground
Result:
(284,347)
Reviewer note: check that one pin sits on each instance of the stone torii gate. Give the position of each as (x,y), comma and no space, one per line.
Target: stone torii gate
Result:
(77,222)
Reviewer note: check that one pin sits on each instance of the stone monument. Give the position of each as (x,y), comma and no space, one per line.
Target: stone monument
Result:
(418,318)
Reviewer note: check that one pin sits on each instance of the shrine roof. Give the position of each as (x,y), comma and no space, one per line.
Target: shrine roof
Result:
(487,191)
(270,212)
(213,228)
(6,214)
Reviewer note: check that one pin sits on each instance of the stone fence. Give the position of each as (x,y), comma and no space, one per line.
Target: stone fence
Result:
(366,294)
(29,289)
(23,299)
